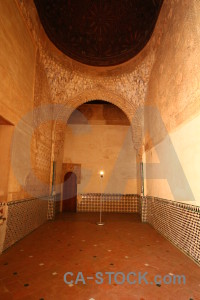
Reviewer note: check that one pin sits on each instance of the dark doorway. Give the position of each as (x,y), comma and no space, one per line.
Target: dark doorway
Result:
(69,192)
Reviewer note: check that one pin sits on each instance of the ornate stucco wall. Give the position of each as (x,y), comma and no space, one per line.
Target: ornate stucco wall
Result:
(72,84)
(164,73)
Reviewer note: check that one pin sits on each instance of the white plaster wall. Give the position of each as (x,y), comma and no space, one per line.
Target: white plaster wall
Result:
(107,147)
(185,140)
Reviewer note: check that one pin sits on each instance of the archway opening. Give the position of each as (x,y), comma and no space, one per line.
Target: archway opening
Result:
(98,136)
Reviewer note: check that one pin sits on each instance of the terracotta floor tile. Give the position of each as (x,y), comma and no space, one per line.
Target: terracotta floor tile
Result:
(74,243)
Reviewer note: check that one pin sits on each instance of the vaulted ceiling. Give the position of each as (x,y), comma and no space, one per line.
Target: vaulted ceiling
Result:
(99,32)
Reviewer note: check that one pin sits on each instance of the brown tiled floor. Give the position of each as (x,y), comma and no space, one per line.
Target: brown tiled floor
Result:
(74,243)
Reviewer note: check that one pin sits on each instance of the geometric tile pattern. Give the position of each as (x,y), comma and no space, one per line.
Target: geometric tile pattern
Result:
(23,217)
(127,203)
(143,209)
(178,222)
(53,206)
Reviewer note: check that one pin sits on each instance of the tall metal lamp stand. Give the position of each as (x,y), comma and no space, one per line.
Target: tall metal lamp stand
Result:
(100,223)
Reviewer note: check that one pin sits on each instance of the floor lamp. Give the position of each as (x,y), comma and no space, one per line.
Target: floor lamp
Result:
(100,223)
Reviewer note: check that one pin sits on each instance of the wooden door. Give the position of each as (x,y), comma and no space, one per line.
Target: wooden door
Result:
(69,192)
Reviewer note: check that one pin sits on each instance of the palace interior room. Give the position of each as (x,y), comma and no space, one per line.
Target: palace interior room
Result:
(100,149)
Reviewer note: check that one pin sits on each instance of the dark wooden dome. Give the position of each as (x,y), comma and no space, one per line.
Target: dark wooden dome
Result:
(99,32)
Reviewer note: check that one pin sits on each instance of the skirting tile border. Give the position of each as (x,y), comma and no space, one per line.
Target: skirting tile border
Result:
(177,221)
(53,206)
(124,203)
(143,208)
(24,216)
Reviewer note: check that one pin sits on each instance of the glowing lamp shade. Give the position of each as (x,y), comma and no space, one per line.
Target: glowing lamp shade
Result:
(101,173)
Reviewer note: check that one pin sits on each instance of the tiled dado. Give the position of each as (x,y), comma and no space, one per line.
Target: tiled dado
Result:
(178,222)
(53,206)
(128,203)
(143,208)
(23,217)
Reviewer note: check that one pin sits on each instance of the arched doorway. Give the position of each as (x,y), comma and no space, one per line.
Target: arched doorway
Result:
(69,192)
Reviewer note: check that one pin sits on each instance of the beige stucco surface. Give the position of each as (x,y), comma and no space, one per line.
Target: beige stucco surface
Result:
(17,63)
(17,76)
(185,141)
(102,147)
(6,132)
